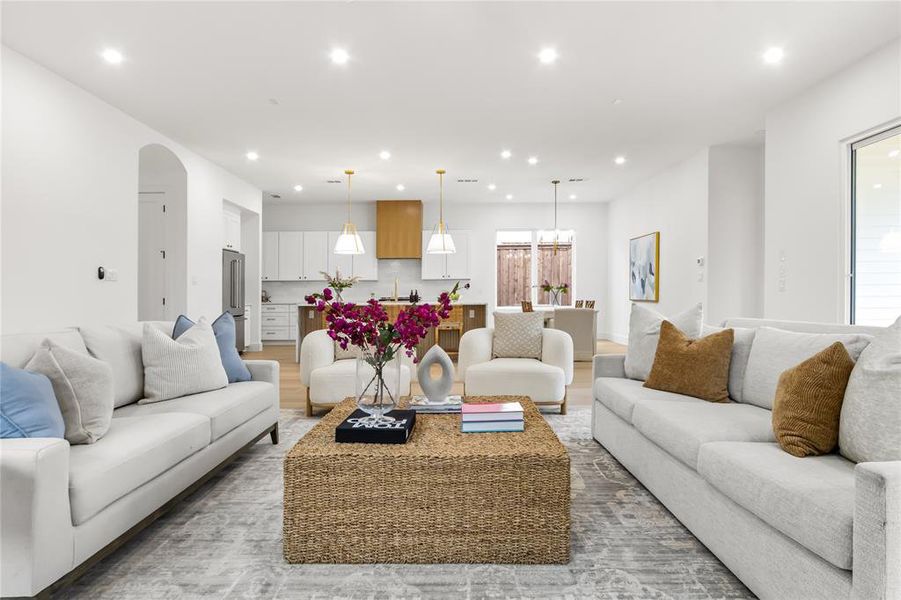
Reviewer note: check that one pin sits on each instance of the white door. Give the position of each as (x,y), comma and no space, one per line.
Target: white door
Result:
(341,263)
(366,266)
(152,257)
(270,255)
(315,255)
(458,262)
(290,255)
(434,266)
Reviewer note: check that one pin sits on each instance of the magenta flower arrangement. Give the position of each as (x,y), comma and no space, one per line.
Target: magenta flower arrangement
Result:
(368,327)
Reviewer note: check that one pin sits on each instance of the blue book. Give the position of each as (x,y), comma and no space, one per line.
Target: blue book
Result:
(491,426)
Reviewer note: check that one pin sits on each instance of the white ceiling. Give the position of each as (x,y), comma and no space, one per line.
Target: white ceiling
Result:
(448,84)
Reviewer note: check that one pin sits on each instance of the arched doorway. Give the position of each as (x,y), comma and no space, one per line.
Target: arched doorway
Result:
(162,234)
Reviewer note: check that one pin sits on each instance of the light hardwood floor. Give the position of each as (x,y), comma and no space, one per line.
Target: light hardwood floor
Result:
(293,393)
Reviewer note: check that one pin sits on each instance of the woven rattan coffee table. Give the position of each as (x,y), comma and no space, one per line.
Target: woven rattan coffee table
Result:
(443,497)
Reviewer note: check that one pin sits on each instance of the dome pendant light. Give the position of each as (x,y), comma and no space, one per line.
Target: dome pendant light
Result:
(556,231)
(349,241)
(441,241)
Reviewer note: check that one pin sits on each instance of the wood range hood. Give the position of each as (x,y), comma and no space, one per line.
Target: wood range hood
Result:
(398,228)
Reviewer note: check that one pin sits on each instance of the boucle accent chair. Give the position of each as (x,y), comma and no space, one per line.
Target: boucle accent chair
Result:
(819,527)
(544,380)
(330,379)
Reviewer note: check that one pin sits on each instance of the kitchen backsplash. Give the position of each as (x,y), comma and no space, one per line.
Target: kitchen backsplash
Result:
(408,273)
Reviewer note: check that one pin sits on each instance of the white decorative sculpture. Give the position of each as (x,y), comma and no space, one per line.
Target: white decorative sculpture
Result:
(436,390)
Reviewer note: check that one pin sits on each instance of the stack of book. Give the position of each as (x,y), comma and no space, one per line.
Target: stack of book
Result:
(494,417)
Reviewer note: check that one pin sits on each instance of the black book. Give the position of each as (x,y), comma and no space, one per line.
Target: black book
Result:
(361,428)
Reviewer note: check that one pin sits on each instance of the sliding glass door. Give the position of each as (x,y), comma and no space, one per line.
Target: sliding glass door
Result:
(876,229)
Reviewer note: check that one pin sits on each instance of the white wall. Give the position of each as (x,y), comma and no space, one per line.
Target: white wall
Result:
(69,205)
(483,220)
(675,204)
(734,268)
(806,198)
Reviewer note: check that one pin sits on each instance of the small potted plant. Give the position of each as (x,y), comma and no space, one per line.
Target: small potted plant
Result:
(554,290)
(337,283)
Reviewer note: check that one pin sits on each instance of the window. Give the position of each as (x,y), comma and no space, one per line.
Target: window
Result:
(526,259)
(876,229)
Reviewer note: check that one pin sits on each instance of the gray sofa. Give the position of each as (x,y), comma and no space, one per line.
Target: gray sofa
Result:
(789,528)
(65,507)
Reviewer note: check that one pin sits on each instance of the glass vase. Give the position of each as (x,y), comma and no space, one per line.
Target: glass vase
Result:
(377,384)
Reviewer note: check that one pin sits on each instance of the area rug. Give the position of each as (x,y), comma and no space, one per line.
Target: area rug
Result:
(225,542)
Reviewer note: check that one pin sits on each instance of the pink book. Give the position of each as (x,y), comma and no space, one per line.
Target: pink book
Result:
(492,407)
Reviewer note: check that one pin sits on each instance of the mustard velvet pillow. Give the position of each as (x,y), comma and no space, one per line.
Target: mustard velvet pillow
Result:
(808,404)
(693,367)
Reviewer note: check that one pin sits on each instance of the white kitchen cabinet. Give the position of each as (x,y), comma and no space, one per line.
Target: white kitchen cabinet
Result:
(290,256)
(340,263)
(366,266)
(458,262)
(231,230)
(315,255)
(270,255)
(446,266)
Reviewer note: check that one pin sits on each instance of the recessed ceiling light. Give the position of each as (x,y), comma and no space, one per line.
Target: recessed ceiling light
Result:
(509,196)
(492,187)
(877,186)
(533,160)
(400,187)
(894,153)
(773,56)
(620,160)
(252,155)
(506,154)
(384,155)
(548,56)
(112,56)
(339,56)
(572,196)
(298,188)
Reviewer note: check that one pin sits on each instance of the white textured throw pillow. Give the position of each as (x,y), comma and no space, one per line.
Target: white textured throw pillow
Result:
(870,428)
(644,333)
(175,368)
(518,335)
(775,350)
(741,352)
(83,386)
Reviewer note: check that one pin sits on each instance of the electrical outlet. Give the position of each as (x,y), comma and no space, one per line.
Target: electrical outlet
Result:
(472,313)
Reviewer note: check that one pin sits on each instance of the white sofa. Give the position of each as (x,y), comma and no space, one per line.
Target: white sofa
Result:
(329,381)
(545,381)
(789,528)
(65,507)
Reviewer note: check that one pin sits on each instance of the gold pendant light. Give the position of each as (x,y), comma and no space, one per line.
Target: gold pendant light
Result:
(349,241)
(441,241)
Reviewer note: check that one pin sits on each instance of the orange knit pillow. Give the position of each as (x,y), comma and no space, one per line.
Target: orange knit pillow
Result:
(808,402)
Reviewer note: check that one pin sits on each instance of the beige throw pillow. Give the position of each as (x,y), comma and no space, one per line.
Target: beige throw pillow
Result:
(175,368)
(644,330)
(83,386)
(518,335)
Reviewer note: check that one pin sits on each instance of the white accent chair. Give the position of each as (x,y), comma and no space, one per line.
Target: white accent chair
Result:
(329,380)
(545,381)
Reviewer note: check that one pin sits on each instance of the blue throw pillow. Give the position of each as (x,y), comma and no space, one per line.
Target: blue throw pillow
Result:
(28,407)
(224,329)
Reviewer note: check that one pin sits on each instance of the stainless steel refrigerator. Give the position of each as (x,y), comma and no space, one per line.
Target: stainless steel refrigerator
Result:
(233,291)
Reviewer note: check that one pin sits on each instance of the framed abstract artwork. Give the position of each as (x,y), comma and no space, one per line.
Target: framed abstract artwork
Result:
(644,268)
